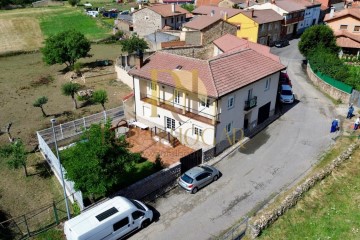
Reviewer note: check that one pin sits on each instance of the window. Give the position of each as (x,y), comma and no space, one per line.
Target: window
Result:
(120,224)
(230,102)
(267,84)
(203,176)
(343,27)
(172,20)
(198,130)
(204,102)
(137,214)
(262,27)
(152,86)
(170,123)
(356,28)
(277,25)
(228,127)
(270,27)
(250,93)
(182,18)
(176,96)
(165,21)
(238,27)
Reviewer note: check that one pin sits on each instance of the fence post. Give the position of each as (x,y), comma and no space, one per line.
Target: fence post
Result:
(55,213)
(155,130)
(84,123)
(27,227)
(62,134)
(105,115)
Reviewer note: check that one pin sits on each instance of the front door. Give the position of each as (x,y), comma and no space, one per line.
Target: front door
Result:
(169,124)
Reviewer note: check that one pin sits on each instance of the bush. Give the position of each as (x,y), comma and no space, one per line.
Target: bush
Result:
(159,164)
(77,68)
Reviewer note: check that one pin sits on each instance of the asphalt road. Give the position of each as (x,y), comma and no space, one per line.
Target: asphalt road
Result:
(272,161)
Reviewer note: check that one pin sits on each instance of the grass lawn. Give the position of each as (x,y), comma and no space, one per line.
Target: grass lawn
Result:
(331,210)
(74,19)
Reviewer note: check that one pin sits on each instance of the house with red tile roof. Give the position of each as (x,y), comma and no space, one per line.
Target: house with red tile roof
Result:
(157,17)
(346,27)
(202,29)
(199,3)
(206,103)
(215,11)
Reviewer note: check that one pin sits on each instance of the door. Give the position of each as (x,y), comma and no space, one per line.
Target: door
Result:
(169,124)
(203,179)
(122,228)
(264,113)
(137,217)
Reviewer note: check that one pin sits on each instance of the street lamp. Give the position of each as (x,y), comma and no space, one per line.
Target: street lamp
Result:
(53,120)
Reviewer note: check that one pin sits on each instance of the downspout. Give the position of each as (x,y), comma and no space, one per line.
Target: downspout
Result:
(134,97)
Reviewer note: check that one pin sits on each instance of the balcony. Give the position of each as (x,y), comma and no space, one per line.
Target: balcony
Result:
(250,103)
(178,108)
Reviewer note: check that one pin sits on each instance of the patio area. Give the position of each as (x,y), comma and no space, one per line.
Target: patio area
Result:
(141,141)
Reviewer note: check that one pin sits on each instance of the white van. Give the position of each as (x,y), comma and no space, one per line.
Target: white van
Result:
(112,219)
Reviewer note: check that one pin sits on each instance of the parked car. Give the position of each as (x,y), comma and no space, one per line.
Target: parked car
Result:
(198,177)
(286,94)
(282,43)
(284,79)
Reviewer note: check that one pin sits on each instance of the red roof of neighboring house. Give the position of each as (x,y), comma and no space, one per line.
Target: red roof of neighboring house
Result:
(165,10)
(218,11)
(355,12)
(201,22)
(230,42)
(263,16)
(345,39)
(207,2)
(216,77)
(290,5)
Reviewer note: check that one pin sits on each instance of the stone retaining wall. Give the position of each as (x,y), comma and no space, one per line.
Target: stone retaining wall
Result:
(327,88)
(268,217)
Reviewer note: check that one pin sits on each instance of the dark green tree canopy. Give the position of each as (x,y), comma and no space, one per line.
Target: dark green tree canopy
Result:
(101,97)
(188,6)
(15,154)
(40,102)
(73,2)
(99,161)
(65,47)
(133,44)
(315,36)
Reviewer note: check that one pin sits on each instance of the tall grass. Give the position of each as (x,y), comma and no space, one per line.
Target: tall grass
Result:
(73,19)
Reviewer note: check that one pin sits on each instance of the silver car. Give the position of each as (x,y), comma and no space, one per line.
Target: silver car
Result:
(286,94)
(198,177)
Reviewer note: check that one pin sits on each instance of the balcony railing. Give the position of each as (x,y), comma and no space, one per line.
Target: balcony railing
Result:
(196,114)
(250,103)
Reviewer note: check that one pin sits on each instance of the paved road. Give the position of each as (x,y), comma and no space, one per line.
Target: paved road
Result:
(270,162)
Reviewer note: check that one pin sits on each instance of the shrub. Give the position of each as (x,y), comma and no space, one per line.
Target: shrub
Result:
(159,164)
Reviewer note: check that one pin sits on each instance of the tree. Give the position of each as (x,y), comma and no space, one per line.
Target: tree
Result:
(134,43)
(15,154)
(65,47)
(189,7)
(73,2)
(39,103)
(99,162)
(69,89)
(100,96)
(315,36)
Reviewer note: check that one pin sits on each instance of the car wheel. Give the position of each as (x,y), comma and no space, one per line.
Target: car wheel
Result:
(215,178)
(145,223)
(194,190)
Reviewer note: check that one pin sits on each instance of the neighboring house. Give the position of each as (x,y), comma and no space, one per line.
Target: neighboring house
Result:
(199,3)
(346,27)
(216,11)
(177,1)
(205,29)
(157,17)
(206,103)
(291,11)
(259,26)
(311,15)
(155,40)
(124,23)
(239,3)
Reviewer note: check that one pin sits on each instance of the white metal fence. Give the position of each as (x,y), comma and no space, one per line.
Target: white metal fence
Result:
(68,130)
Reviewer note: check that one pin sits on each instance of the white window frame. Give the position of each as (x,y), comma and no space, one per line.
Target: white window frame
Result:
(230,101)
(267,84)
(197,130)
(152,86)
(169,122)
(204,102)
(270,26)
(356,27)
(177,96)
(229,127)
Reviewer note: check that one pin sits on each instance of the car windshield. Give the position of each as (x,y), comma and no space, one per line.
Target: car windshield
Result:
(138,205)
(286,92)
(206,168)
(187,179)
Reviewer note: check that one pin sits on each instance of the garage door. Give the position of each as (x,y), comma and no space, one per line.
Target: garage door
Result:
(264,112)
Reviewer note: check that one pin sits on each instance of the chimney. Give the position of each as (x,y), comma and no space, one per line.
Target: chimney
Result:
(140,6)
(212,13)
(247,3)
(273,2)
(132,9)
(252,13)
(173,7)
(139,59)
(332,12)
(225,16)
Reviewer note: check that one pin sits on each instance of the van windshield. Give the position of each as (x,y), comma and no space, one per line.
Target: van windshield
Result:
(138,205)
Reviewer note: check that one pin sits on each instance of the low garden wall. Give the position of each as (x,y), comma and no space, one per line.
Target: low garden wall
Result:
(327,88)
(268,217)
(154,185)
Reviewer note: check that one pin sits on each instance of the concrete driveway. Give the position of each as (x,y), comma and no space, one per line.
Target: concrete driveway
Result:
(274,159)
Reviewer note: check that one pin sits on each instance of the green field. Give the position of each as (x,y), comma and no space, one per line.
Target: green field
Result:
(74,19)
(331,210)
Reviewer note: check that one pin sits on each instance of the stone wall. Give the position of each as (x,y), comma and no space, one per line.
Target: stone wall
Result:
(146,21)
(193,37)
(202,52)
(327,88)
(265,219)
(217,30)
